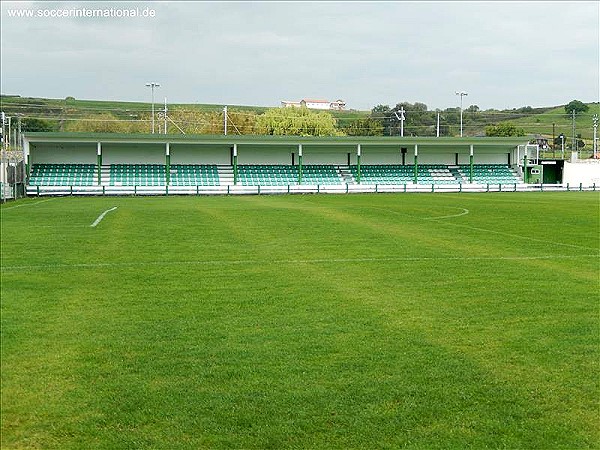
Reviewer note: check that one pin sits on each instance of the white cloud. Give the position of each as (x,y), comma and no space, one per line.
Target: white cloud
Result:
(261,52)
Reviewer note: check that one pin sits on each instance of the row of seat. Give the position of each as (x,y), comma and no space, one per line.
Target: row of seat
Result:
(155,175)
(434,174)
(62,175)
(208,175)
(194,175)
(489,173)
(281,175)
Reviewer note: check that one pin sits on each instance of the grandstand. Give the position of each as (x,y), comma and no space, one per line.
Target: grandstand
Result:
(117,163)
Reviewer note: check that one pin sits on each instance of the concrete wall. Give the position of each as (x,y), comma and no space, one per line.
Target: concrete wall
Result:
(587,173)
(186,153)
(483,157)
(268,154)
(62,154)
(200,154)
(133,154)
(335,158)
(433,158)
(379,155)
(490,158)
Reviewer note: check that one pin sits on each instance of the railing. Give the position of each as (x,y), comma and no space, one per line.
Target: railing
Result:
(299,189)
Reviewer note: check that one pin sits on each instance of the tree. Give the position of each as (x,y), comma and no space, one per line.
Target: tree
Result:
(525,109)
(101,123)
(297,122)
(34,124)
(418,120)
(364,127)
(382,113)
(241,122)
(505,129)
(193,121)
(577,106)
(560,139)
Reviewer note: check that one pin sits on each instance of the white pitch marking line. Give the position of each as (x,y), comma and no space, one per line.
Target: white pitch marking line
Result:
(101,216)
(293,261)
(28,204)
(464,213)
(528,238)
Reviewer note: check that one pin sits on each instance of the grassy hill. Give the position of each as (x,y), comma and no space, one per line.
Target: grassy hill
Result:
(54,107)
(543,123)
(537,121)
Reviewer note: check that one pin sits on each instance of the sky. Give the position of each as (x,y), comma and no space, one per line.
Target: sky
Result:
(502,54)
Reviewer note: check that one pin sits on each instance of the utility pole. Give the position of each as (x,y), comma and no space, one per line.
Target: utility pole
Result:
(225,119)
(401,118)
(3,130)
(574,144)
(595,144)
(165,112)
(18,143)
(553,133)
(9,133)
(438,125)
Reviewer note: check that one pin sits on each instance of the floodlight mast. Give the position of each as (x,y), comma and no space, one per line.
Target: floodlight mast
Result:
(462,94)
(152,85)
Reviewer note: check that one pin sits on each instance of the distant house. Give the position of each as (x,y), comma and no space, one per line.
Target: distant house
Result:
(337,105)
(288,104)
(315,104)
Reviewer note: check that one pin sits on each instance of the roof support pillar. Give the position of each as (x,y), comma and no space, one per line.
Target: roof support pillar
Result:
(471,164)
(26,158)
(358,163)
(416,180)
(99,161)
(167,163)
(525,174)
(299,163)
(235,164)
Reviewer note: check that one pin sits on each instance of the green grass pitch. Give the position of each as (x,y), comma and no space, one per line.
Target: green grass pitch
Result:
(307,321)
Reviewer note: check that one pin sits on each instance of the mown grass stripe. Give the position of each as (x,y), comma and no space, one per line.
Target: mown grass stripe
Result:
(265,262)
(302,322)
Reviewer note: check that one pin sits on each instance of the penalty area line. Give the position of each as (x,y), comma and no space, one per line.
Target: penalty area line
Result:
(101,216)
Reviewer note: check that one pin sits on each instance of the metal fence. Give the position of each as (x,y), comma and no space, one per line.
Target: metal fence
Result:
(12,176)
(299,189)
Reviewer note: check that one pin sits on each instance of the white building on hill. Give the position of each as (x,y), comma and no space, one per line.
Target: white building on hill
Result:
(337,105)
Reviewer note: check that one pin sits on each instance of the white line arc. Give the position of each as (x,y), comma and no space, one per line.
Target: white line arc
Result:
(101,216)
(464,212)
